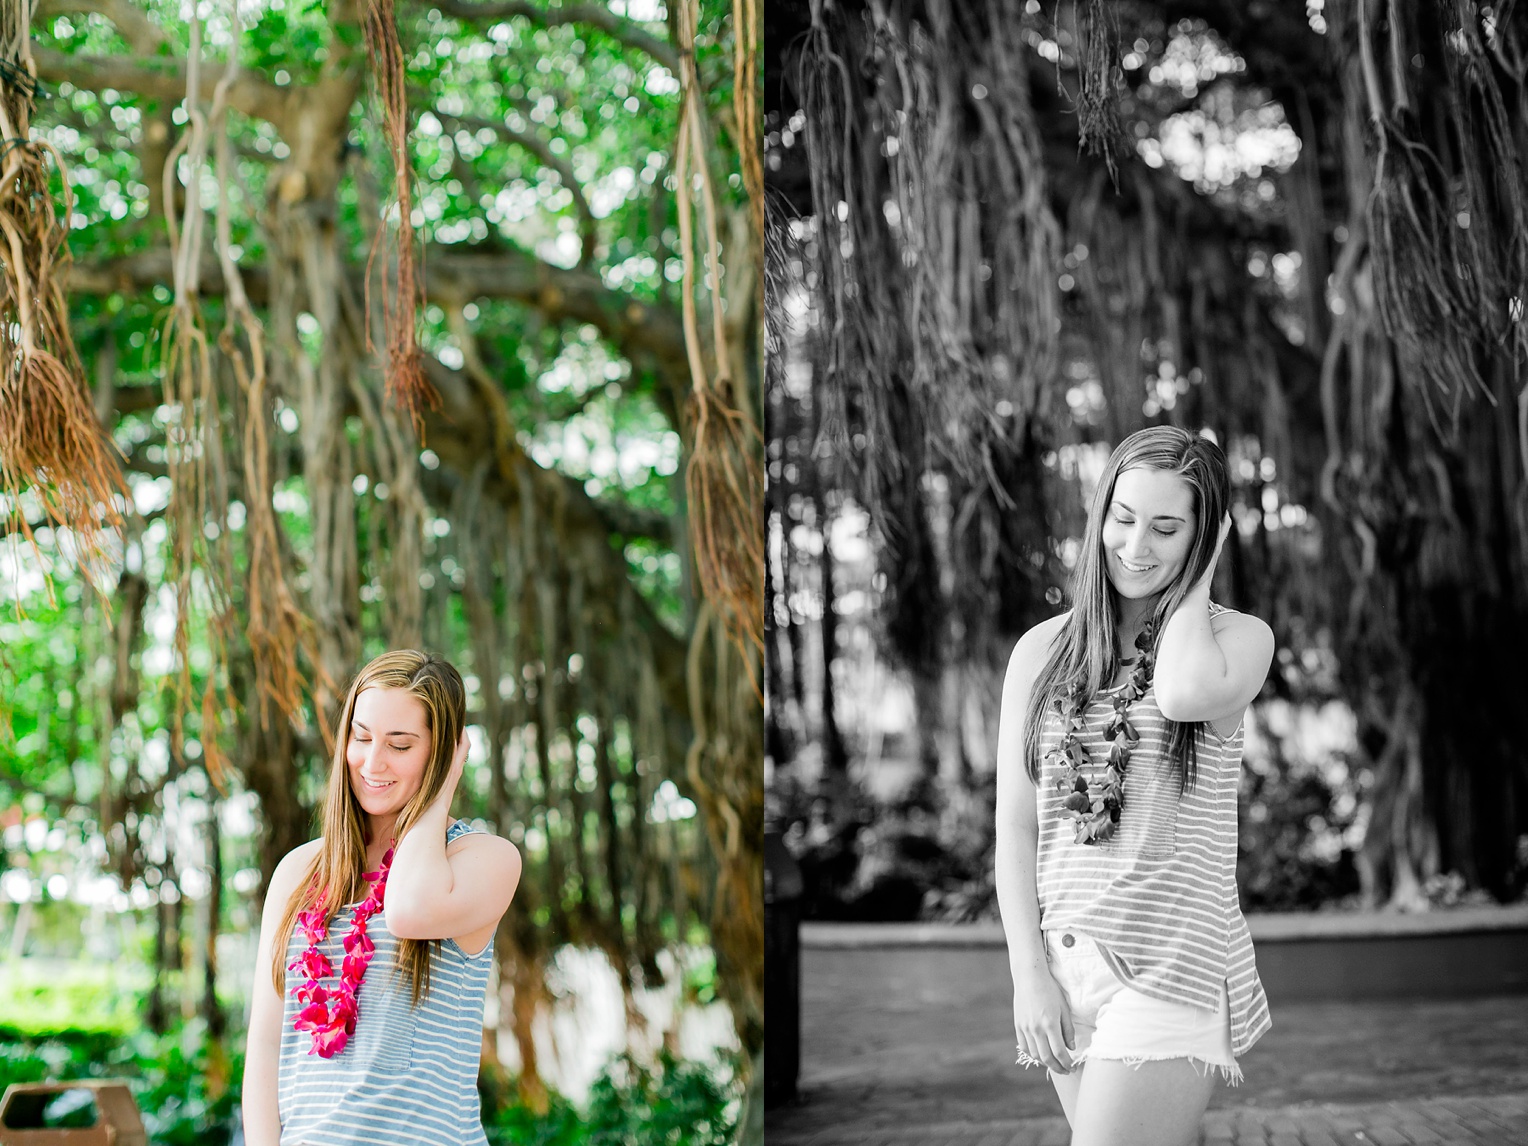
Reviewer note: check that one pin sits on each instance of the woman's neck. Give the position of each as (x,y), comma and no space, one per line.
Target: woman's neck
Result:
(1133,615)
(380,833)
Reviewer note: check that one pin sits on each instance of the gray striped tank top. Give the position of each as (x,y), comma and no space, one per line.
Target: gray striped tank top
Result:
(1160,897)
(406,1076)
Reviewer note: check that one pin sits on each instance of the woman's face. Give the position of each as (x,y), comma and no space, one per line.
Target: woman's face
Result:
(388,749)
(1148,531)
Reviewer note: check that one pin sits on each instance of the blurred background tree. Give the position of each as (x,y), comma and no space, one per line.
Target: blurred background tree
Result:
(1006,236)
(484,432)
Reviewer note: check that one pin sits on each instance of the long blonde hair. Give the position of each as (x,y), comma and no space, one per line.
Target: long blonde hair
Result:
(334,877)
(1086,650)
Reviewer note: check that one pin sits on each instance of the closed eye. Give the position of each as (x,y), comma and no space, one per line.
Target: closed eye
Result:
(391,747)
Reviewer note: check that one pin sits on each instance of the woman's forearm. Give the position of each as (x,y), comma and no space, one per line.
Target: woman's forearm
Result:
(1017,824)
(421,874)
(1191,666)
(262,1119)
(262,1052)
(1017,901)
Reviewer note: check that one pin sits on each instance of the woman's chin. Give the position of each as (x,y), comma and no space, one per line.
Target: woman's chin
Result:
(1134,589)
(378,803)
(1129,592)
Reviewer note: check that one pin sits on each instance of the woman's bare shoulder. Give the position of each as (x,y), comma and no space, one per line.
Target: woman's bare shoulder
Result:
(1039,638)
(293,866)
(1224,620)
(302,854)
(484,844)
(1032,649)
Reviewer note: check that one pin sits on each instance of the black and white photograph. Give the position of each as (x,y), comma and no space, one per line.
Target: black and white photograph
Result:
(1146,572)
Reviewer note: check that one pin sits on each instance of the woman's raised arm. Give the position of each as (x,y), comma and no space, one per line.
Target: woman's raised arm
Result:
(1209,668)
(433,894)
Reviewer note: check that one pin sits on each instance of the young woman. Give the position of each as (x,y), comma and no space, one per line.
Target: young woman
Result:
(1119,753)
(367,1019)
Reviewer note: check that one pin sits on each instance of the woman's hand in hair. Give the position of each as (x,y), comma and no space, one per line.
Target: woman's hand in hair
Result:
(457,891)
(1203,584)
(1209,668)
(454,774)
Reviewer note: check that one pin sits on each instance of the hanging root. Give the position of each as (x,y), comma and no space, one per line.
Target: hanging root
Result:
(1098,119)
(407,384)
(1449,229)
(202,565)
(52,446)
(51,443)
(724,476)
(726,499)
(275,627)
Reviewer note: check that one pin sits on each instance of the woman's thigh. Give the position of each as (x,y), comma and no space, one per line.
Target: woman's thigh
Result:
(1156,1103)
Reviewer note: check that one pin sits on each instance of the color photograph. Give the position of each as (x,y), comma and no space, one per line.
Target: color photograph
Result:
(380,655)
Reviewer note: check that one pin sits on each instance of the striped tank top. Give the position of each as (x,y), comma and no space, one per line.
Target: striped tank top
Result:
(406,1077)
(1160,897)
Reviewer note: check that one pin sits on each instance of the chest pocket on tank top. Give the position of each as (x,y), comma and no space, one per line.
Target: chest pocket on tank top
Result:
(1148,825)
(387,1023)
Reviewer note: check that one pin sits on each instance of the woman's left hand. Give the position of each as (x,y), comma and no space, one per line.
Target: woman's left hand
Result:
(1220,543)
(454,776)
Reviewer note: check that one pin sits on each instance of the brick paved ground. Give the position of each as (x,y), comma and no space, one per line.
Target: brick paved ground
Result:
(913,1046)
(1488,1120)
(1482,1120)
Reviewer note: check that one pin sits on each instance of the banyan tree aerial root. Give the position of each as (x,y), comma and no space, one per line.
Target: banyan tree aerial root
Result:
(407,384)
(724,477)
(51,442)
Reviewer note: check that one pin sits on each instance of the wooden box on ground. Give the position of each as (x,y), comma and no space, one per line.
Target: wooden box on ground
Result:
(25,1118)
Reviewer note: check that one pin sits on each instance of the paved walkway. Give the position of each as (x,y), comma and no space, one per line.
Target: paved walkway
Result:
(905,1046)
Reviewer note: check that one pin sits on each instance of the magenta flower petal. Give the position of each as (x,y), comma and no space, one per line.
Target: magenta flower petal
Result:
(328,1043)
(313,1017)
(313,964)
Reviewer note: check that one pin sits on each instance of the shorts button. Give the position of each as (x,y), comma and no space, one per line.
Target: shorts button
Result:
(1068,939)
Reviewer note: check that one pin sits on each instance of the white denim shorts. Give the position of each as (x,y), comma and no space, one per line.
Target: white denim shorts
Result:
(1113,1021)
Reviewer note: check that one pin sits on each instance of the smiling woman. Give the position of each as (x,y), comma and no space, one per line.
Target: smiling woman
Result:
(1117,780)
(424,897)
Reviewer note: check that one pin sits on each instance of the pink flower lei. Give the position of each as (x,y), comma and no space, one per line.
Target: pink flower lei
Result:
(330,1012)
(1095,810)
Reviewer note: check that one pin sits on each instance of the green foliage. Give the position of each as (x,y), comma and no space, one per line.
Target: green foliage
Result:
(188,1097)
(79,1022)
(1291,854)
(76,1002)
(188,1090)
(678,1104)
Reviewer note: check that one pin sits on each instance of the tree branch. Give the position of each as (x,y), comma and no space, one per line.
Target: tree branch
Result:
(165,79)
(617,516)
(639,330)
(461,434)
(542,151)
(596,16)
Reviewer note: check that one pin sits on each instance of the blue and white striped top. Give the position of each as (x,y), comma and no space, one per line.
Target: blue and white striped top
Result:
(406,1076)
(1160,897)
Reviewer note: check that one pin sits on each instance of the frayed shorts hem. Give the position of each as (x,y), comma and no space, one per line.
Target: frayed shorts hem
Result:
(1231,1075)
